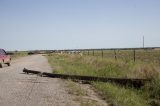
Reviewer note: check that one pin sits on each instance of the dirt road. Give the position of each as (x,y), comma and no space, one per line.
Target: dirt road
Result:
(18,89)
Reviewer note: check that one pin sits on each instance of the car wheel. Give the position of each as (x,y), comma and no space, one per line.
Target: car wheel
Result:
(9,64)
(0,65)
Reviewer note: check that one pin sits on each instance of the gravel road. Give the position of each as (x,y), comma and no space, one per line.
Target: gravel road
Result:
(18,89)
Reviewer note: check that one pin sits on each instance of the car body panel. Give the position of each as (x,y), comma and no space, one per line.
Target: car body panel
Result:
(4,58)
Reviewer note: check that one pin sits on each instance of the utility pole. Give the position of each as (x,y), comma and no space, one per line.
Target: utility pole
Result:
(143,41)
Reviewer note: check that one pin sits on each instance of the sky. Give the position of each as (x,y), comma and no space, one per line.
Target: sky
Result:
(78,24)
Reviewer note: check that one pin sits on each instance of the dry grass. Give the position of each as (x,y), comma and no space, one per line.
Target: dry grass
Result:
(148,71)
(18,54)
(90,65)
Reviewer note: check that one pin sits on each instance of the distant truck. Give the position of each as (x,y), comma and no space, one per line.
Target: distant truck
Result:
(4,58)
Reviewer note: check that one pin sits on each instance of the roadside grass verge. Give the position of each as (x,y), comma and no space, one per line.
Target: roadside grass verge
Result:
(120,96)
(75,89)
(113,93)
(18,54)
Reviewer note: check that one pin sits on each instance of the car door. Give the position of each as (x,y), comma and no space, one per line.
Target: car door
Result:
(3,56)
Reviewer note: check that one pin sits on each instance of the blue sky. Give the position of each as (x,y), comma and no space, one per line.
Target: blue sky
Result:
(70,24)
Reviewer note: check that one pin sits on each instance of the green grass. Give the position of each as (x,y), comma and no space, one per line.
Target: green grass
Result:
(75,64)
(120,96)
(107,67)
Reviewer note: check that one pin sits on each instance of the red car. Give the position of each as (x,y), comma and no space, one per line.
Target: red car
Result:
(4,58)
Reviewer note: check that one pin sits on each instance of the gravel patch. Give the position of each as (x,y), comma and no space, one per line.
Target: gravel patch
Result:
(19,89)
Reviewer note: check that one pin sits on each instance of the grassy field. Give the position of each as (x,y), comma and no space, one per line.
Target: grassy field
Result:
(108,67)
(147,56)
(18,54)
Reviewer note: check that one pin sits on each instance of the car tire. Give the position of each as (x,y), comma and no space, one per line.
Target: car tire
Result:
(9,64)
(1,65)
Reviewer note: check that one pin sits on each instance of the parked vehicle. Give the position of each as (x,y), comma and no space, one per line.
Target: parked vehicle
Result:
(4,58)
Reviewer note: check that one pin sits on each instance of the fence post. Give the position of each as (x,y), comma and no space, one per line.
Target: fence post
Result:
(134,55)
(88,52)
(115,55)
(93,52)
(102,53)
